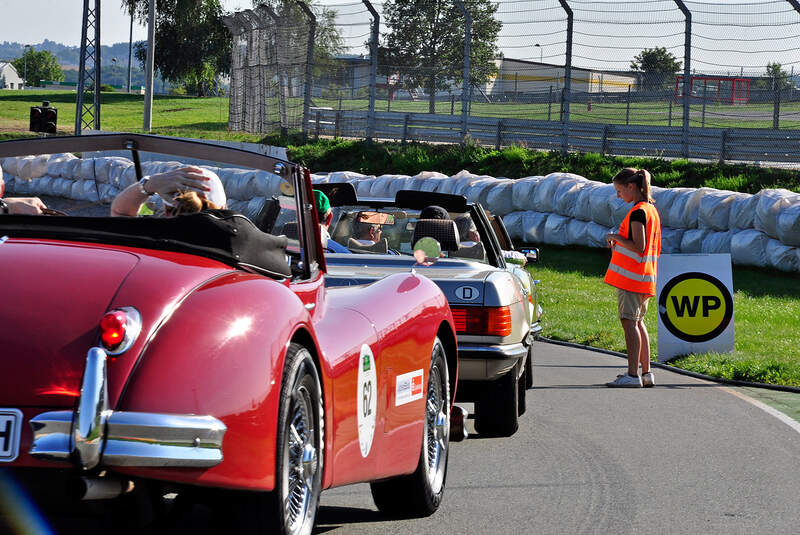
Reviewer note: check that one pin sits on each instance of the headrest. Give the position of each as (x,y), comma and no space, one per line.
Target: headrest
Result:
(442,230)
(381,246)
(474,251)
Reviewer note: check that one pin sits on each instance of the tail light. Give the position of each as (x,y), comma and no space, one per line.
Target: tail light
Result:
(119,329)
(487,321)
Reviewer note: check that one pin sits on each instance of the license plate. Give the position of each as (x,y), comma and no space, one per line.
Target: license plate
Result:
(10,426)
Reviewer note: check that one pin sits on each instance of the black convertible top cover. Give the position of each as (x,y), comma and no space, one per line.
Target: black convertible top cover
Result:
(219,234)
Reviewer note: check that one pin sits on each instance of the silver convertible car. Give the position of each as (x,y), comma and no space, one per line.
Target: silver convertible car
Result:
(493,300)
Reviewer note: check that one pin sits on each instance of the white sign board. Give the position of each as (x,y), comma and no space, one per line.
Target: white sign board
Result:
(695,304)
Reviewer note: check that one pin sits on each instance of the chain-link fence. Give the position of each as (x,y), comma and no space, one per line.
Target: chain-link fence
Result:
(658,77)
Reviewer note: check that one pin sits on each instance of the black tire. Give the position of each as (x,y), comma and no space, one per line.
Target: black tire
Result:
(529,368)
(420,494)
(298,466)
(521,391)
(497,411)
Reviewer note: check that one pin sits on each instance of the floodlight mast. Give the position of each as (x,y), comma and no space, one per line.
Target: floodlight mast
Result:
(88,115)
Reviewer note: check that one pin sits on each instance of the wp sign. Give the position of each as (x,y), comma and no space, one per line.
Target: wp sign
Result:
(695,304)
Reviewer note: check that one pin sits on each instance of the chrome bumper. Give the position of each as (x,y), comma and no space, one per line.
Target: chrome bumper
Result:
(488,362)
(94,435)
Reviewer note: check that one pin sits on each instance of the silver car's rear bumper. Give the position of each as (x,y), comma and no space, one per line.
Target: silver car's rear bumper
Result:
(488,362)
(93,435)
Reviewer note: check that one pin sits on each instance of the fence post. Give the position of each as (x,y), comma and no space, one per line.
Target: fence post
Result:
(373,69)
(604,145)
(405,128)
(628,107)
(279,42)
(687,73)
(567,77)
(338,125)
(549,102)
(312,29)
(776,108)
(499,137)
(723,150)
(703,116)
(465,96)
(317,126)
(669,119)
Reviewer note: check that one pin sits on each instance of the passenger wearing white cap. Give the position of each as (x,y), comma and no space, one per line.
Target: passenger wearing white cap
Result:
(167,186)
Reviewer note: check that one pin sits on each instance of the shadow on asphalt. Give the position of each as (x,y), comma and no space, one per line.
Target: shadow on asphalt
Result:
(331,517)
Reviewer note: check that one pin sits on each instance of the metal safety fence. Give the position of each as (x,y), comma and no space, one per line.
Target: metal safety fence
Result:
(658,77)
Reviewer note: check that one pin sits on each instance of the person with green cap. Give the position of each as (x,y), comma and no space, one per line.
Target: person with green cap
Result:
(325,215)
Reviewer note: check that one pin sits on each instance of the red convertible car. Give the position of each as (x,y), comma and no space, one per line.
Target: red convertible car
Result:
(198,356)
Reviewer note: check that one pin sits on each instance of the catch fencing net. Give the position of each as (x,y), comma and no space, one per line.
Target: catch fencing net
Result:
(571,74)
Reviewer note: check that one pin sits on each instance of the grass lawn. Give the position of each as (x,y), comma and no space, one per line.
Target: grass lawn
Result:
(207,117)
(579,307)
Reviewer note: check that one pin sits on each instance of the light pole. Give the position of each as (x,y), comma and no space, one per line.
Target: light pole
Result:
(130,51)
(537,45)
(25,63)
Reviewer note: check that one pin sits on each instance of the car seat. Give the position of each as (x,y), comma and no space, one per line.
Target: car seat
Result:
(442,230)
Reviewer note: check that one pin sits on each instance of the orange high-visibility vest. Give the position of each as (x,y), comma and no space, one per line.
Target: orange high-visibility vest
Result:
(630,270)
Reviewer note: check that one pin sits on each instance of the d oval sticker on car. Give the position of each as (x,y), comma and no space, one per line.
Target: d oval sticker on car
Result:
(467,293)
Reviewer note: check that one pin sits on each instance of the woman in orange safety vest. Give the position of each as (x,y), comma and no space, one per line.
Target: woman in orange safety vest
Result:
(632,270)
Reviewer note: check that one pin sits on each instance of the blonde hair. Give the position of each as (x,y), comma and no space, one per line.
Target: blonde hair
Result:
(189,202)
(640,177)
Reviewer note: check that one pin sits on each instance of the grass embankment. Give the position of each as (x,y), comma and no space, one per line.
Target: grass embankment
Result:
(580,308)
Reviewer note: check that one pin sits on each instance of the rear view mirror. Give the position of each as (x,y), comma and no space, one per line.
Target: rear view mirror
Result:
(531,255)
(376,218)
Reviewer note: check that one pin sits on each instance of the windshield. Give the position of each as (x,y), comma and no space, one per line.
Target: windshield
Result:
(364,229)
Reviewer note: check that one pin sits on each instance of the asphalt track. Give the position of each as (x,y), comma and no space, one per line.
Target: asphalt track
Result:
(688,456)
(685,457)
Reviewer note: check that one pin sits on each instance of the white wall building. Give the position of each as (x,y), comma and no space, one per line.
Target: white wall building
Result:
(9,78)
(516,76)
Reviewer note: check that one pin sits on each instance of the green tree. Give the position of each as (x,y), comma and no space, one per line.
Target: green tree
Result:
(425,43)
(777,78)
(36,66)
(657,66)
(192,44)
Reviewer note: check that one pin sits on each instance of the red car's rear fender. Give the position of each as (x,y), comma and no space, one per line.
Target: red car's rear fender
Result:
(221,353)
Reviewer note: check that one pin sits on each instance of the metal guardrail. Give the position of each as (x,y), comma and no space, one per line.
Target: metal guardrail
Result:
(722,144)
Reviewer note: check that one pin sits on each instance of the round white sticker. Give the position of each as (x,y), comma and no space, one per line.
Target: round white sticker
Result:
(366,399)
(467,293)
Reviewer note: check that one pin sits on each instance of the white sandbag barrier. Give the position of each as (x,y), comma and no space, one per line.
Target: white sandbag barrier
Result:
(566,209)
(760,230)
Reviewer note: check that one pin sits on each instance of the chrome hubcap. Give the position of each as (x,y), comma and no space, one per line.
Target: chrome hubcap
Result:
(301,456)
(436,429)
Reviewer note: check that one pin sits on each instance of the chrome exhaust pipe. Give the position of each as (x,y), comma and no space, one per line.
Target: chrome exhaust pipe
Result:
(458,424)
(99,488)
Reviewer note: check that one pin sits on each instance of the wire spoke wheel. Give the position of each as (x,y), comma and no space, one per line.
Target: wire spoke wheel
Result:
(419,494)
(300,456)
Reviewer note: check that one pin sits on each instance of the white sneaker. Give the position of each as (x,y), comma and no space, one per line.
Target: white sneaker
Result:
(648,380)
(626,381)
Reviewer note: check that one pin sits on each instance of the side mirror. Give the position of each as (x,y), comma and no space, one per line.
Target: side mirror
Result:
(427,251)
(531,255)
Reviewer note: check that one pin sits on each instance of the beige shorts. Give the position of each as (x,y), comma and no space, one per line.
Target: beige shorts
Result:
(632,305)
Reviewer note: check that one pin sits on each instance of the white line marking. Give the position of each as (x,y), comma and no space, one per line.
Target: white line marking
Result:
(794,424)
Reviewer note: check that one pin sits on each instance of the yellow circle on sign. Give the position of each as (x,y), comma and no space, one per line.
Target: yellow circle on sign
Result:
(696,307)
